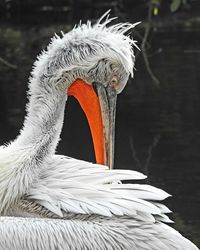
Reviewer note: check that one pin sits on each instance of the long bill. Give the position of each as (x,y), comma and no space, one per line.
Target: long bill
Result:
(108,99)
(100,111)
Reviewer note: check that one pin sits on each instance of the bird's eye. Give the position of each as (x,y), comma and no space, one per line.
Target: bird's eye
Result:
(114,82)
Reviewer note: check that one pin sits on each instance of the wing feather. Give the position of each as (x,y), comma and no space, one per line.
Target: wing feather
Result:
(67,185)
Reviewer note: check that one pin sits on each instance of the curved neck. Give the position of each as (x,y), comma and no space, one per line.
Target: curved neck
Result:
(44,120)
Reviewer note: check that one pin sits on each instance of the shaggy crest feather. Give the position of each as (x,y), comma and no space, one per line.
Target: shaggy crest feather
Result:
(95,41)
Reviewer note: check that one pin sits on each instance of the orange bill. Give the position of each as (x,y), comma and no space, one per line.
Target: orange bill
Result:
(89,102)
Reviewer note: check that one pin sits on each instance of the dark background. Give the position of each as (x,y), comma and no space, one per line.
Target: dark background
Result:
(158,125)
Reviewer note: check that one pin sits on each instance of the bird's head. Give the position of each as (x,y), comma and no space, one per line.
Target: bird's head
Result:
(91,63)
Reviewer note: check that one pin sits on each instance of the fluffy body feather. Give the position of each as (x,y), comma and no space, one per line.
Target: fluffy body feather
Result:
(95,233)
(52,202)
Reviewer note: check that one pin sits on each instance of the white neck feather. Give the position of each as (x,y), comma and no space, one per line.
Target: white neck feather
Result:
(43,123)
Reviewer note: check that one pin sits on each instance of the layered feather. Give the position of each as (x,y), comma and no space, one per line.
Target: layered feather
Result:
(68,185)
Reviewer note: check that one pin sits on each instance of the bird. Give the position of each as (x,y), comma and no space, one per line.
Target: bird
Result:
(51,201)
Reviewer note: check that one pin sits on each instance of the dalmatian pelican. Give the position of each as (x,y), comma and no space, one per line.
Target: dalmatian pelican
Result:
(54,202)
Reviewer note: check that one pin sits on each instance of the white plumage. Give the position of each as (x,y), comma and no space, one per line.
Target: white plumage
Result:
(98,233)
(49,201)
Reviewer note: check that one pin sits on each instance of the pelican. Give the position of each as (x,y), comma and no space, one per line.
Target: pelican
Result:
(50,201)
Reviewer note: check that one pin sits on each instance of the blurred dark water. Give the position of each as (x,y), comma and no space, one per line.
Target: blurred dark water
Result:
(157,128)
